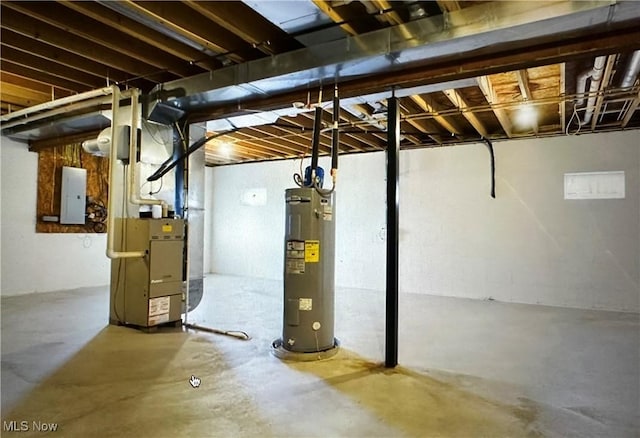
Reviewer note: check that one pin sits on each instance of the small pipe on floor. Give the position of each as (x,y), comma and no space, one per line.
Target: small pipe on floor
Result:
(233,333)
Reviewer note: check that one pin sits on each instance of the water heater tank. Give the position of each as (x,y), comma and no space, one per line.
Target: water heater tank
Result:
(309,262)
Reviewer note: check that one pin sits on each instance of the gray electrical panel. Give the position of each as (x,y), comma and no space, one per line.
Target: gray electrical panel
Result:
(73,195)
(309,262)
(147,291)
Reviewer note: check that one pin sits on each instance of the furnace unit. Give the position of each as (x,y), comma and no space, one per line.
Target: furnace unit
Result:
(147,291)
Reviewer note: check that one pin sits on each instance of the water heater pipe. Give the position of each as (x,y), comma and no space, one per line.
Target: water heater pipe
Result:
(335,138)
(315,143)
(335,146)
(113,162)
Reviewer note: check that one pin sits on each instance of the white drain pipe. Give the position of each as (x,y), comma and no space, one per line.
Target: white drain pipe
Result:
(596,76)
(113,163)
(134,192)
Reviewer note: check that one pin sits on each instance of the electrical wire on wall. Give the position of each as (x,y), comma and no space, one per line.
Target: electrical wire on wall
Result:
(575,116)
(151,127)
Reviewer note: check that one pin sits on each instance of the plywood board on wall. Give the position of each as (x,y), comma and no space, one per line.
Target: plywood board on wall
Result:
(50,164)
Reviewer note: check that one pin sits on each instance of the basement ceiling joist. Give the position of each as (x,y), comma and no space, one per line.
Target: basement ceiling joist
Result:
(54,49)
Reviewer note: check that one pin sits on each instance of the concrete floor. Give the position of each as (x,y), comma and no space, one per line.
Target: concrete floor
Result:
(469,368)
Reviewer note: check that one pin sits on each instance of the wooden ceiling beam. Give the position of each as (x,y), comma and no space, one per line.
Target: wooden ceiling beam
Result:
(242,142)
(484,82)
(408,107)
(283,145)
(456,98)
(325,138)
(632,109)
(283,139)
(257,144)
(449,5)
(7,107)
(32,28)
(392,16)
(369,121)
(17,95)
(335,15)
(562,105)
(348,139)
(366,139)
(43,77)
(28,84)
(523,84)
(525,91)
(41,64)
(233,151)
(246,23)
(134,29)
(68,59)
(427,108)
(180,19)
(487,63)
(85,27)
(604,83)
(386,8)
(369,140)
(293,135)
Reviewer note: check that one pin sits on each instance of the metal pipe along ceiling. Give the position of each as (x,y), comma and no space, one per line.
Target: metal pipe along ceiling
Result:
(632,71)
(459,32)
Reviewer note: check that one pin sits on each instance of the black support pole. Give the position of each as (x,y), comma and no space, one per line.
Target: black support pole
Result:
(393,154)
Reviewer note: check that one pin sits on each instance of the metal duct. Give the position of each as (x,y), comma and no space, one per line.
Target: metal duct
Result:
(632,71)
(455,35)
(124,9)
(594,87)
(302,19)
(268,117)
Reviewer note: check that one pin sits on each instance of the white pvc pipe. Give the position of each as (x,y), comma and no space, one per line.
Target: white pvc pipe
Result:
(113,163)
(58,102)
(581,85)
(133,190)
